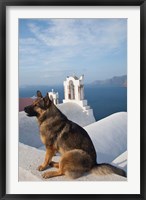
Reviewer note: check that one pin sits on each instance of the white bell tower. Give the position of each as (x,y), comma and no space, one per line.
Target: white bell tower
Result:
(74,92)
(54,96)
(74,88)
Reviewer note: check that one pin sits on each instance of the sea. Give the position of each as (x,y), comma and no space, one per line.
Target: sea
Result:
(103,100)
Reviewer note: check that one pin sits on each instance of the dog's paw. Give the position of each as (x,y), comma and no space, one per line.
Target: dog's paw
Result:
(46,175)
(41,168)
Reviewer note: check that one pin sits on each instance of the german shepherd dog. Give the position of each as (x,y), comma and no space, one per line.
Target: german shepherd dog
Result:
(59,134)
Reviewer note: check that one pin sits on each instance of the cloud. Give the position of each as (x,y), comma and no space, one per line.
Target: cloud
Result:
(69,37)
(57,33)
(64,43)
(77,32)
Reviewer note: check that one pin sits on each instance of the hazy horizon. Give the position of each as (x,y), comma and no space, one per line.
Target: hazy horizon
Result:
(61,84)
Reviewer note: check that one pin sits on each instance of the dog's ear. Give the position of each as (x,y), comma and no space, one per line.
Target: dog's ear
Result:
(47,101)
(39,94)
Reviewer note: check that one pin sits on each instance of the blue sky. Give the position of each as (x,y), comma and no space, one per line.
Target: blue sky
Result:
(51,49)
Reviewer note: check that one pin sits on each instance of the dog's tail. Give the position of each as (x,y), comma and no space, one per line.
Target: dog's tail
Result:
(104,169)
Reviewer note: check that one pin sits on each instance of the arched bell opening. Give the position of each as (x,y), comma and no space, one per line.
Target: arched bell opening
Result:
(71,90)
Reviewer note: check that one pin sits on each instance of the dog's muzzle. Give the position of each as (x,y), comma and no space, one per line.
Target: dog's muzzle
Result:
(30,111)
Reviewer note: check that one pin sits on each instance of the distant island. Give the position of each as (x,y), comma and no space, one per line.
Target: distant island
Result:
(116,81)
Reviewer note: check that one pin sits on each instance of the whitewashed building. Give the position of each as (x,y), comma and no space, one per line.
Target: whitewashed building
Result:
(74,92)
